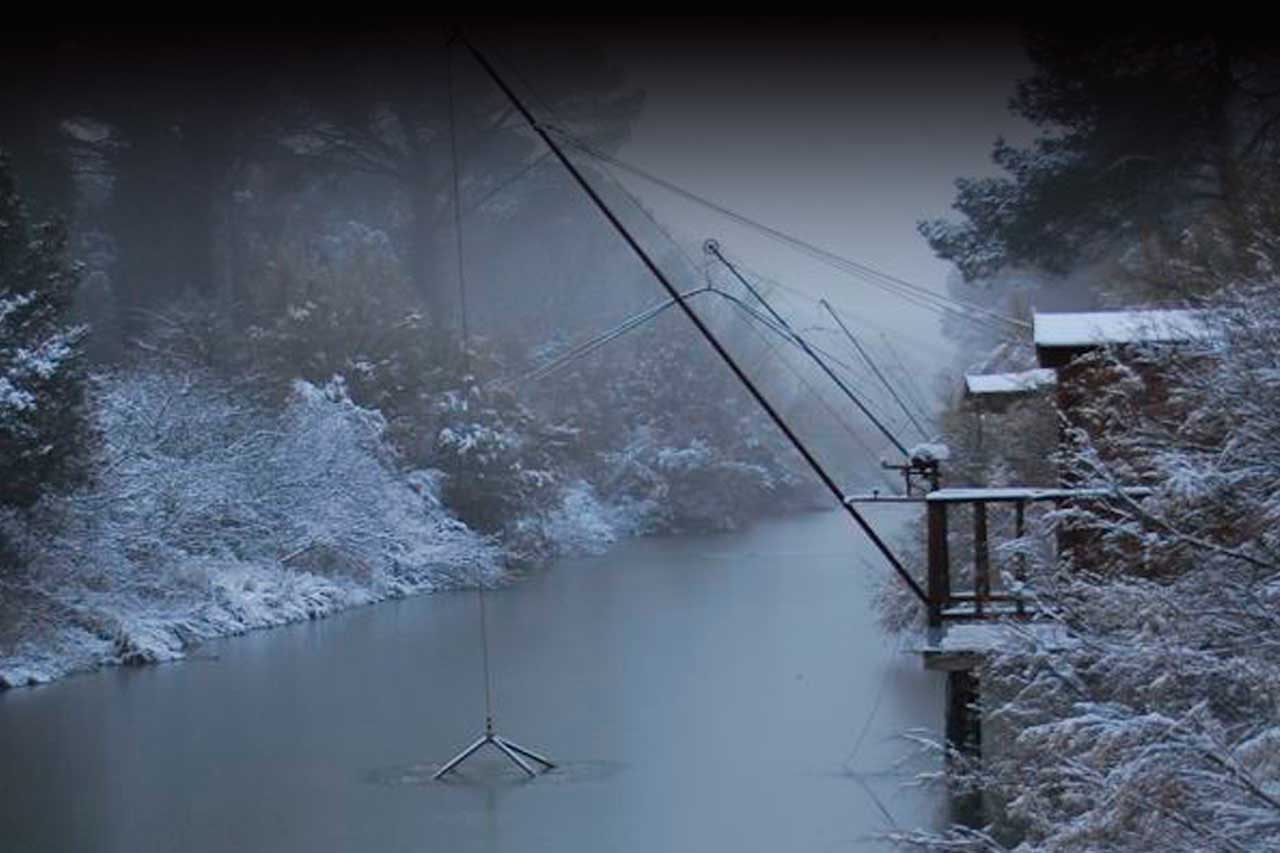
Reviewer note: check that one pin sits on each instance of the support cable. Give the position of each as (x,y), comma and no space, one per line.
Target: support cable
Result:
(899,286)
(914,391)
(836,415)
(702,328)
(457,224)
(506,183)
(596,342)
(875,369)
(787,336)
(913,293)
(794,337)
(606,337)
(713,249)
(851,313)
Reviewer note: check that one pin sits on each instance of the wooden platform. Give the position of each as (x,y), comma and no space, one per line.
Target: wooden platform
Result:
(954,647)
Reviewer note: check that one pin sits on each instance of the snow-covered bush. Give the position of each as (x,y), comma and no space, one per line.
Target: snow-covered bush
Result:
(696,485)
(341,305)
(502,461)
(578,524)
(581,524)
(209,515)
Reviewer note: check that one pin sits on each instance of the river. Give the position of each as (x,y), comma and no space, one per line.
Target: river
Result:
(726,692)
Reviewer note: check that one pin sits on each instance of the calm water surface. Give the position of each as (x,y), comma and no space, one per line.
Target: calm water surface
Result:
(704,693)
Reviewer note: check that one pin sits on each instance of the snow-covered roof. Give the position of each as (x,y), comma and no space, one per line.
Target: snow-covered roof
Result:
(1119,327)
(1022,382)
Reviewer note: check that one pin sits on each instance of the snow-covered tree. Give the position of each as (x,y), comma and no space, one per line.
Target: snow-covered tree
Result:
(1156,726)
(1141,134)
(41,377)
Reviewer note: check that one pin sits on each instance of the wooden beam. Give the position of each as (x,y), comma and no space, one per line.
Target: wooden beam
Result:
(981,559)
(964,741)
(938,587)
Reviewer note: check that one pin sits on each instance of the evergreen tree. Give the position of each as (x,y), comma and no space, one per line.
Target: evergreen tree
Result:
(1141,137)
(41,372)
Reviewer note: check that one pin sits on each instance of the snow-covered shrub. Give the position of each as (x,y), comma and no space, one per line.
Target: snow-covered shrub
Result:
(698,485)
(342,305)
(502,462)
(581,524)
(210,515)
(649,486)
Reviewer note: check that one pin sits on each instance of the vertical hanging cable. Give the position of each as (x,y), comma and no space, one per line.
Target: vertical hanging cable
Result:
(457,221)
(466,359)
(874,368)
(909,386)
(713,248)
(484,647)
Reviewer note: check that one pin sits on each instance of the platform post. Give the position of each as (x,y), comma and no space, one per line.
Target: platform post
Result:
(981,559)
(964,742)
(939,580)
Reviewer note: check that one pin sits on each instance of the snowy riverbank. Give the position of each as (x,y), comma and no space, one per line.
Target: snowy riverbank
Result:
(107,628)
(84,629)
(212,508)
(208,520)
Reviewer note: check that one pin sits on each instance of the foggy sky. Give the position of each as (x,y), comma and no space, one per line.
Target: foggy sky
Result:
(842,133)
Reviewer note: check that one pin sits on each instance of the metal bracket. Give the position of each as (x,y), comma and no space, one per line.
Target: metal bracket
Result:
(510,749)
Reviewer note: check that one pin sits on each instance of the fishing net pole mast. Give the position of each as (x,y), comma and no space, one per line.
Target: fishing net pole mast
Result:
(702,328)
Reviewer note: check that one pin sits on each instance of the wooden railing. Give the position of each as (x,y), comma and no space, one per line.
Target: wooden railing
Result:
(946,603)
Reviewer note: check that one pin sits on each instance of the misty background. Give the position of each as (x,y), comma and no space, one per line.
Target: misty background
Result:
(199,155)
(334,308)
